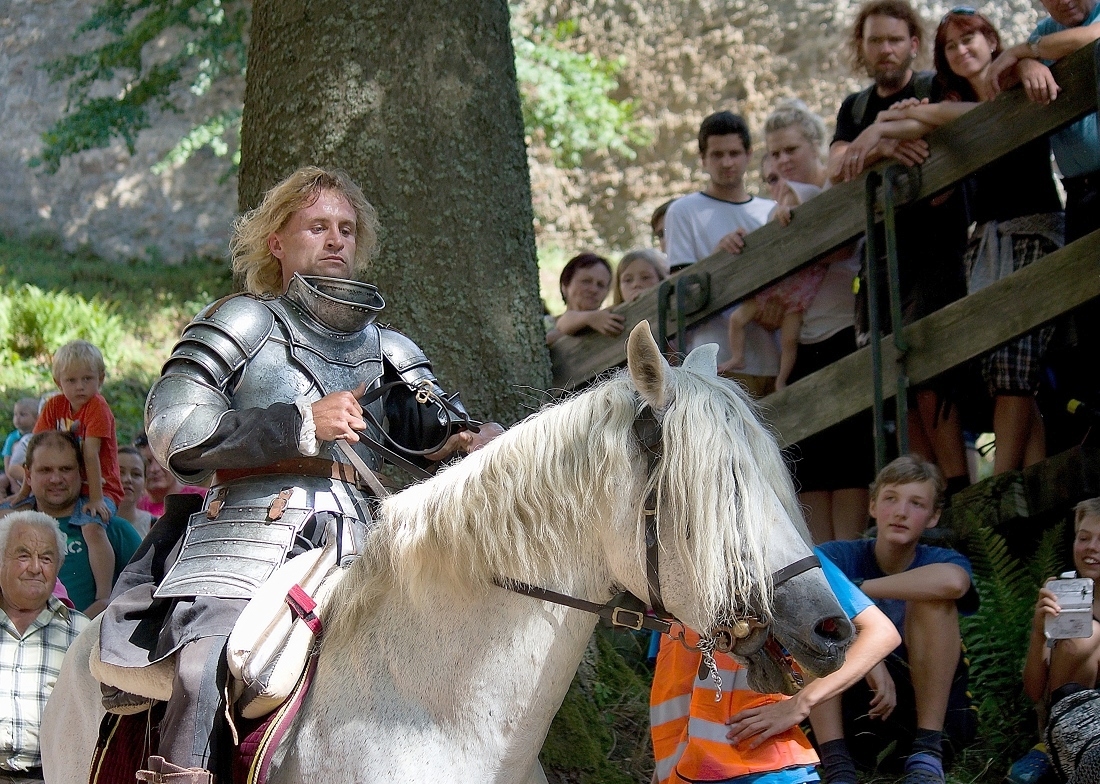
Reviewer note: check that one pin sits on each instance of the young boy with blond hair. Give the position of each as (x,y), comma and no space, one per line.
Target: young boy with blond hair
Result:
(917,697)
(78,371)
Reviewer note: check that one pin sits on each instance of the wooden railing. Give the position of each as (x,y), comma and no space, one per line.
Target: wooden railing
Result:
(965,329)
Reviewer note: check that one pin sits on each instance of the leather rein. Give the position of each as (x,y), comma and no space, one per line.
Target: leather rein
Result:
(648,432)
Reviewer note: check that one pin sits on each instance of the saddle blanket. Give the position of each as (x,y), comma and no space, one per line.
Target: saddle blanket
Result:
(126,741)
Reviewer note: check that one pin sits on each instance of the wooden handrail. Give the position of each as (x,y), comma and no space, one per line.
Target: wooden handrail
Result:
(834,218)
(970,327)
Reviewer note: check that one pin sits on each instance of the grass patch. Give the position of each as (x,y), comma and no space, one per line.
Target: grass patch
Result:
(133,311)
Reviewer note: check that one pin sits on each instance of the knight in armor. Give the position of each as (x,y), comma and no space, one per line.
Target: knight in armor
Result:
(285,398)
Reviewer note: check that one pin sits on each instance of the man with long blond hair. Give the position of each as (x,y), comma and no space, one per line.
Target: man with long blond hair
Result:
(287,398)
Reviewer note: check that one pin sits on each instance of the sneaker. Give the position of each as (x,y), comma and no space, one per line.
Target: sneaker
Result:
(1032,768)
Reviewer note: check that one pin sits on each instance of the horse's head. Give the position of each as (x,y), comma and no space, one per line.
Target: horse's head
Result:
(727,551)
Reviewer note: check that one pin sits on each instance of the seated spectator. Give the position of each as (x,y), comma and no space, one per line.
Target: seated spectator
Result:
(585,281)
(657,223)
(24,415)
(54,475)
(159,481)
(1049,669)
(637,273)
(131,468)
(1056,668)
(917,697)
(745,736)
(1019,219)
(37,629)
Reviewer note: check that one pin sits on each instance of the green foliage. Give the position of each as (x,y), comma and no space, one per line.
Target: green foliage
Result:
(565,95)
(131,311)
(210,133)
(209,44)
(997,635)
(601,733)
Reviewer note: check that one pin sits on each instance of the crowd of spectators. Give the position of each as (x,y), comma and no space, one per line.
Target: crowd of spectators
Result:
(902,696)
(74,512)
(77,505)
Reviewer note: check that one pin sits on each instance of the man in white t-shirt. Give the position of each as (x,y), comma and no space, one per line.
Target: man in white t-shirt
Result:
(718,218)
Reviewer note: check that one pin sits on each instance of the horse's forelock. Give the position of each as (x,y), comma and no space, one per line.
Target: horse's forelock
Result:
(731,515)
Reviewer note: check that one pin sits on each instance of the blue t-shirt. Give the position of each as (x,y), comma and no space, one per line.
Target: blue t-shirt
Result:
(857,560)
(1077,146)
(10,442)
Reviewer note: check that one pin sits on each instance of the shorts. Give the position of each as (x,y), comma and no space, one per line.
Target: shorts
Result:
(1016,367)
(79,518)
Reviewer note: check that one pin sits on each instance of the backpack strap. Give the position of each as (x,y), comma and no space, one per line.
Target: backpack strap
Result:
(922,86)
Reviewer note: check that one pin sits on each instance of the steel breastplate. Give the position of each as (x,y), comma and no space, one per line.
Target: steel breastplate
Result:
(323,340)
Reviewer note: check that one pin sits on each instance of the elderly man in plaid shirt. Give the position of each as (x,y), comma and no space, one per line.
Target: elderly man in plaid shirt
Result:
(35,631)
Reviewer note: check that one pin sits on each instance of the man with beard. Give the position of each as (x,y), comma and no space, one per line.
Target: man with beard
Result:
(287,398)
(886,39)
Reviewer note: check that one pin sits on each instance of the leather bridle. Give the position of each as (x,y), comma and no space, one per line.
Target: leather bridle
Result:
(648,432)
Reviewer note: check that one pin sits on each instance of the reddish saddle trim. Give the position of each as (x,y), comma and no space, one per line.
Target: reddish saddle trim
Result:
(302,605)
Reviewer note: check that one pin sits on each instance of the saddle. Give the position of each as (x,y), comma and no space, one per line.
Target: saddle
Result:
(267,651)
(126,741)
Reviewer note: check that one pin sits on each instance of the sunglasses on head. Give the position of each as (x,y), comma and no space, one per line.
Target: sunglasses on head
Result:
(959,10)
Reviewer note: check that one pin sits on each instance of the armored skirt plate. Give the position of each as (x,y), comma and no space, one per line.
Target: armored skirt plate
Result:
(232,555)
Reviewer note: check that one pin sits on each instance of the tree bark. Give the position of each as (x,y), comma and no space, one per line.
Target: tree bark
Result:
(418,102)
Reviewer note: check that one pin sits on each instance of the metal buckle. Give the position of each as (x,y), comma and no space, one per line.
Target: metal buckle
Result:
(636,625)
(214,508)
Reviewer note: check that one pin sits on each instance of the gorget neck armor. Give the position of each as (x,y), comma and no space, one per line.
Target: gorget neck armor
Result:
(336,305)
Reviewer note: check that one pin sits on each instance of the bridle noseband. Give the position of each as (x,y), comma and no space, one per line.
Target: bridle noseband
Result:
(648,432)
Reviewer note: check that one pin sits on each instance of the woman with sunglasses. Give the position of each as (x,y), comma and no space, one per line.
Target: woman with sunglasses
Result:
(1019,219)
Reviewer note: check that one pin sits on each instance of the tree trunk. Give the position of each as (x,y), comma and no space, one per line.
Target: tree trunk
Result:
(418,102)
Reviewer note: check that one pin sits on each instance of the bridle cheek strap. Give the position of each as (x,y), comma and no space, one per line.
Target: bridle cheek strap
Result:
(648,432)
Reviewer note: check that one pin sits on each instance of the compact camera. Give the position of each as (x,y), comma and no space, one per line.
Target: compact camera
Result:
(1075,598)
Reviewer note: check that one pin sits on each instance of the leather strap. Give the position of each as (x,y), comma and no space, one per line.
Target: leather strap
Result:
(648,432)
(295,466)
(794,569)
(621,617)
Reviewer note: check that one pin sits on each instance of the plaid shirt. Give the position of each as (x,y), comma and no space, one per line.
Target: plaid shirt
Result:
(29,666)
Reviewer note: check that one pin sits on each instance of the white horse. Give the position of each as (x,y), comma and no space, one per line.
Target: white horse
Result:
(431,672)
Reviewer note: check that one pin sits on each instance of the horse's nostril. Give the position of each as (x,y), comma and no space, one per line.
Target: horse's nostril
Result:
(833,629)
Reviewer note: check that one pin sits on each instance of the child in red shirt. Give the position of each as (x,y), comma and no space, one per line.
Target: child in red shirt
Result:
(78,371)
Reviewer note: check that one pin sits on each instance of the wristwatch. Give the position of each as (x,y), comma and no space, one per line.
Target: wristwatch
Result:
(1033,44)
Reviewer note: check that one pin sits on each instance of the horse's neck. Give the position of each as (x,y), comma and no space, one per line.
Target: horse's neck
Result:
(472,682)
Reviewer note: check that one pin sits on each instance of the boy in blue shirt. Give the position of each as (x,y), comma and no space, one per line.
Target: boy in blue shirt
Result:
(917,696)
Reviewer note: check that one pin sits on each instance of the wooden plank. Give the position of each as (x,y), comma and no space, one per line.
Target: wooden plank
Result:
(836,217)
(1064,280)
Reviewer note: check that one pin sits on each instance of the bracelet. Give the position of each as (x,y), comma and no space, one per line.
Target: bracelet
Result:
(858,582)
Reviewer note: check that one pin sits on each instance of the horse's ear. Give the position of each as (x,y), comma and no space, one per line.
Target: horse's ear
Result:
(647,366)
(703,360)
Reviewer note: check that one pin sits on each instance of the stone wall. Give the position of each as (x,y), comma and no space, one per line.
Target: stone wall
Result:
(106,199)
(681,59)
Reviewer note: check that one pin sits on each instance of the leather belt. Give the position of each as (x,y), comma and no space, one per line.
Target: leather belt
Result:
(299,466)
(29,773)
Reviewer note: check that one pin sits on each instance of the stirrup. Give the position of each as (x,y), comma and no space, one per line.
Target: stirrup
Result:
(161,771)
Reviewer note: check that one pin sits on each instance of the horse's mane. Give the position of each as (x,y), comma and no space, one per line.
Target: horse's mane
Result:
(525,504)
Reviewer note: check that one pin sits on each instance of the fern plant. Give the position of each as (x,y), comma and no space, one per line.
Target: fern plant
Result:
(996,636)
